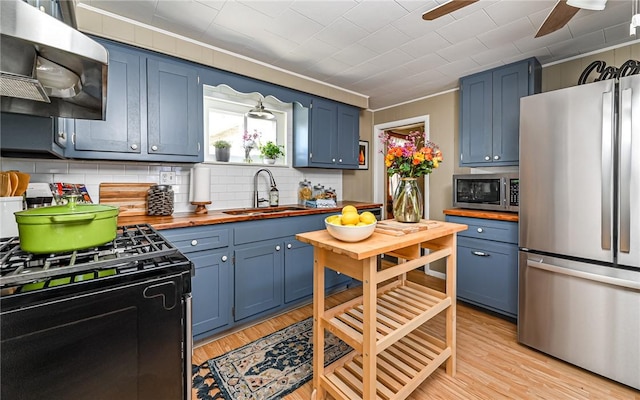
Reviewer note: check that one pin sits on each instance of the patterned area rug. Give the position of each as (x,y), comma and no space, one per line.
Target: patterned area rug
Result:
(266,369)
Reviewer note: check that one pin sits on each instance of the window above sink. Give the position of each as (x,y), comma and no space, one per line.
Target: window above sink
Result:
(225,119)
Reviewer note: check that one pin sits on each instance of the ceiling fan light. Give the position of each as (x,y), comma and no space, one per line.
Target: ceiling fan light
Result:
(596,5)
(259,112)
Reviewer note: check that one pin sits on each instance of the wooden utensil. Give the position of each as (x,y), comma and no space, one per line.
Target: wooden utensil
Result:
(13,177)
(23,183)
(5,184)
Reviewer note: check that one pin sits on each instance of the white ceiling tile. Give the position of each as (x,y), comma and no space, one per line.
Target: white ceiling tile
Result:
(322,11)
(341,33)
(582,44)
(311,51)
(354,55)
(531,43)
(508,32)
(458,68)
(372,15)
(272,8)
(469,26)
(413,25)
(427,62)
(253,21)
(504,12)
(426,44)
(496,54)
(215,4)
(618,34)
(384,39)
(194,17)
(596,20)
(294,26)
(462,50)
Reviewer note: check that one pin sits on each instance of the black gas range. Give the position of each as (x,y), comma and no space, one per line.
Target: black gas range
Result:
(102,323)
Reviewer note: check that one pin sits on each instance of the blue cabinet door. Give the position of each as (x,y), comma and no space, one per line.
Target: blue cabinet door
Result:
(323,133)
(120,132)
(509,85)
(488,274)
(258,278)
(476,123)
(348,135)
(211,287)
(298,270)
(173,119)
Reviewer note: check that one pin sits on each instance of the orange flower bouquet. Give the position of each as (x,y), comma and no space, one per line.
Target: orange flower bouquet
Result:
(411,158)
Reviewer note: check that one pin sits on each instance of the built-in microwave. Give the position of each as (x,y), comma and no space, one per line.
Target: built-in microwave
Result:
(497,192)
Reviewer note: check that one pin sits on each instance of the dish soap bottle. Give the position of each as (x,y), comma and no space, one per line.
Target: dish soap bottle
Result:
(273,197)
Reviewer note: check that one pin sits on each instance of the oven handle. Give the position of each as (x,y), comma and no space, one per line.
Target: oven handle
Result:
(188,340)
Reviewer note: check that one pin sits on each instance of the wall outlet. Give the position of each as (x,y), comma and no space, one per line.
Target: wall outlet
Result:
(167,178)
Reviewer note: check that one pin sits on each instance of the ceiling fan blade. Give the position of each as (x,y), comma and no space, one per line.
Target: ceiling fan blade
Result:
(446,8)
(557,18)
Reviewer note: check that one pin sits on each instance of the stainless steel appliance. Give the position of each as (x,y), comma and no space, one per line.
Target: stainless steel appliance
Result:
(497,192)
(47,67)
(579,261)
(112,322)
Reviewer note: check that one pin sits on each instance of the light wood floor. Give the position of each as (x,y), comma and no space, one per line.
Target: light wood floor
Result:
(491,364)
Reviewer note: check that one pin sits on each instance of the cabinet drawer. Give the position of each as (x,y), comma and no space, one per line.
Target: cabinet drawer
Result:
(197,239)
(479,228)
(488,274)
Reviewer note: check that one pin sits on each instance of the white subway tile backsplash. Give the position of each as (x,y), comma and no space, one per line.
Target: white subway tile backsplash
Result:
(231,184)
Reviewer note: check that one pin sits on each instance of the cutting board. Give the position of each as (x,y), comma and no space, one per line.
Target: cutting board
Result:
(395,228)
(130,198)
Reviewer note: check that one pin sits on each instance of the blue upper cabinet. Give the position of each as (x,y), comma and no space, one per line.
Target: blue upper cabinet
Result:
(153,111)
(326,135)
(490,113)
(174,126)
(120,132)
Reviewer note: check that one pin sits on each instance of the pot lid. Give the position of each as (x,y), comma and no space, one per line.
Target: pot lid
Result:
(70,208)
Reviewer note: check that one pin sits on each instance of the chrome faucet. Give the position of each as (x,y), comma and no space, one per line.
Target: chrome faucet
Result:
(256,200)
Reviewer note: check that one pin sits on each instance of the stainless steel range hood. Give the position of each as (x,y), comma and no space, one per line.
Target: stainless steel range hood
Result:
(47,67)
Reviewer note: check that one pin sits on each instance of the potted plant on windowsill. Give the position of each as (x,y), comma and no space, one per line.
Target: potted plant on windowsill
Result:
(271,152)
(223,149)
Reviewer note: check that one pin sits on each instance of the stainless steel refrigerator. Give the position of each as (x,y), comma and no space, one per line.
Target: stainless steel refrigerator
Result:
(579,260)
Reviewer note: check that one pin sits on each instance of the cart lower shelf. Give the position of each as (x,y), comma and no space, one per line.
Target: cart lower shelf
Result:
(400,308)
(401,368)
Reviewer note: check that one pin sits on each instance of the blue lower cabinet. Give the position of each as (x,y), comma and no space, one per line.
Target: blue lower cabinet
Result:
(333,279)
(487,264)
(488,274)
(298,270)
(258,278)
(211,287)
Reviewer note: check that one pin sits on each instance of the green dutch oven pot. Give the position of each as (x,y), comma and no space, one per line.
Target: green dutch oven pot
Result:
(65,228)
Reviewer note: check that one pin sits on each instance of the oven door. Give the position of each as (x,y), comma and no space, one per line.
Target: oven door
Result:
(125,342)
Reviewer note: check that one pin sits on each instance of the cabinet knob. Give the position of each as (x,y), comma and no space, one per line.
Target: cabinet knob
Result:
(134,147)
(289,245)
(224,258)
(340,160)
(277,248)
(333,160)
(194,242)
(154,148)
(496,157)
(480,230)
(61,135)
(487,158)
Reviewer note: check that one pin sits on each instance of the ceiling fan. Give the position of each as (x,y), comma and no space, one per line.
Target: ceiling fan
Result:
(559,16)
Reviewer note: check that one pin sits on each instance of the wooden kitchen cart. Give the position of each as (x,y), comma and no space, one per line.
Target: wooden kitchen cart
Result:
(392,353)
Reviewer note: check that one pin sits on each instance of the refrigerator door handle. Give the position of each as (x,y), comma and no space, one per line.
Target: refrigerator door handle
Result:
(585,275)
(607,172)
(625,170)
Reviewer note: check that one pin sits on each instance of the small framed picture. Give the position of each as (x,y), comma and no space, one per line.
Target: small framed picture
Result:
(363,155)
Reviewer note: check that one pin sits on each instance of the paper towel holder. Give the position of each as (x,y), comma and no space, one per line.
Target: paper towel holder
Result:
(201,206)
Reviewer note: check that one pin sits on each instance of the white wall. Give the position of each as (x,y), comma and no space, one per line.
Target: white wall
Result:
(231,184)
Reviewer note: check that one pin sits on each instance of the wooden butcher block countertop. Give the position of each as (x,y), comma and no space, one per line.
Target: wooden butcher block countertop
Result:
(188,219)
(498,215)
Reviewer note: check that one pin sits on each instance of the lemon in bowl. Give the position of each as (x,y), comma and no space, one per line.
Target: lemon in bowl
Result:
(351,228)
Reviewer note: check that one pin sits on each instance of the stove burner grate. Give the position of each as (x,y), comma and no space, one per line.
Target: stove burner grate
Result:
(135,247)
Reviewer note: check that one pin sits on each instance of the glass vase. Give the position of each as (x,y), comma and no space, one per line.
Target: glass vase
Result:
(247,154)
(407,201)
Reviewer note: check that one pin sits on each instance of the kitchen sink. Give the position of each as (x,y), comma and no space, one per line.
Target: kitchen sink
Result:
(263,210)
